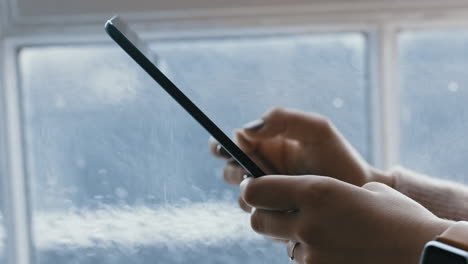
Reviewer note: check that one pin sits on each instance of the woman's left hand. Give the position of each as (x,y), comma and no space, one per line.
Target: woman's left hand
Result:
(331,221)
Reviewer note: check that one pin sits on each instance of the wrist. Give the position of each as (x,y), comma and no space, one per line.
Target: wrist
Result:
(456,235)
(428,231)
(451,246)
(440,226)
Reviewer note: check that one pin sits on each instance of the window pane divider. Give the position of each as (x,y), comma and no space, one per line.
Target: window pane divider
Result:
(16,207)
(386,101)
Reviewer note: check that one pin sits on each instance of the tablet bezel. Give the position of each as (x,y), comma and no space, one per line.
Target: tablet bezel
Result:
(129,41)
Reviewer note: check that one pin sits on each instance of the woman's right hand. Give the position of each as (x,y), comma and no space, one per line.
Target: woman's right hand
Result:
(291,142)
(329,221)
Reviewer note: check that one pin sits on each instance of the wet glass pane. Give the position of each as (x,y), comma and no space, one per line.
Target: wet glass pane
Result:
(119,173)
(3,257)
(2,226)
(434,96)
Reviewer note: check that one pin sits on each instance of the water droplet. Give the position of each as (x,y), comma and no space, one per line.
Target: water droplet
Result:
(338,102)
(121,193)
(59,102)
(80,163)
(453,87)
(51,181)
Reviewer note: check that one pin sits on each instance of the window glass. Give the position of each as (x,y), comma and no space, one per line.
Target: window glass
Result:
(119,173)
(434,96)
(2,196)
(2,224)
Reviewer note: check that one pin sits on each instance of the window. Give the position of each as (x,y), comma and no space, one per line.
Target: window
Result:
(120,173)
(434,92)
(113,167)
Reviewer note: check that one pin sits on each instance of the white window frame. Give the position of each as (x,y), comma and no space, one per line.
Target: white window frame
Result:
(381,21)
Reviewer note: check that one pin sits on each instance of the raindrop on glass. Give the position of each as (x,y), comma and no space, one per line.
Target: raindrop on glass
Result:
(338,102)
(453,87)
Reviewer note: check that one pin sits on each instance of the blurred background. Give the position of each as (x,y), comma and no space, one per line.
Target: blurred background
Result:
(99,165)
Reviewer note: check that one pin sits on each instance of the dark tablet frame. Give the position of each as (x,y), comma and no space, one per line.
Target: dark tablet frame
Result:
(129,41)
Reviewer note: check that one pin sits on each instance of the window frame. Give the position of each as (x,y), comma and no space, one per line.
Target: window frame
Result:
(381,25)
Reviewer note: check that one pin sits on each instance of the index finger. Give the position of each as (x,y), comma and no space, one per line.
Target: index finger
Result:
(217,150)
(243,143)
(275,192)
(285,193)
(292,124)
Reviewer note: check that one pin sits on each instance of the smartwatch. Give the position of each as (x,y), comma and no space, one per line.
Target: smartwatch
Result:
(449,248)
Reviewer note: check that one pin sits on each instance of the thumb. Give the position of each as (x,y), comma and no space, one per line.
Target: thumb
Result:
(288,123)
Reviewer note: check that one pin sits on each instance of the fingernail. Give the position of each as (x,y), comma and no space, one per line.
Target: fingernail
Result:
(252,211)
(254,125)
(221,151)
(245,180)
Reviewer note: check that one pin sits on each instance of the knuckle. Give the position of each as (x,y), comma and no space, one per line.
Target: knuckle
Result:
(212,145)
(302,234)
(373,186)
(324,124)
(276,111)
(310,255)
(309,259)
(243,205)
(248,195)
(226,177)
(256,222)
(320,188)
(306,234)
(232,173)
(227,171)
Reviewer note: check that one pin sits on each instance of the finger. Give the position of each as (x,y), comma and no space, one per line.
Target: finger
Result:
(300,253)
(288,123)
(273,223)
(251,148)
(376,187)
(233,173)
(291,248)
(285,193)
(248,146)
(245,207)
(277,193)
(217,150)
(279,240)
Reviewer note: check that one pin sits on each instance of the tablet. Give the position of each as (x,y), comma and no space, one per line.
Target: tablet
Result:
(129,41)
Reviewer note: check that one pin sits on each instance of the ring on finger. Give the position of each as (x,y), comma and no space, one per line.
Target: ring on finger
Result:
(291,255)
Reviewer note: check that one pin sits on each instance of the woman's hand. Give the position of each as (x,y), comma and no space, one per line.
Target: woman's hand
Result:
(290,142)
(336,222)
